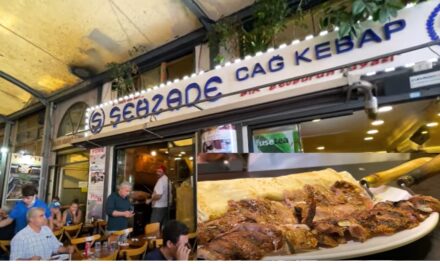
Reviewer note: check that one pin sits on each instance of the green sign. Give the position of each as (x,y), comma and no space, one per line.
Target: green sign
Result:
(277,142)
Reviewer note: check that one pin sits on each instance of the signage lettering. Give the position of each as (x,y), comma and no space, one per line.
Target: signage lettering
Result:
(299,62)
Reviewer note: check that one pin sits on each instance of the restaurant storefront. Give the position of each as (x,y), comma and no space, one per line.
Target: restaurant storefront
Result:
(319,94)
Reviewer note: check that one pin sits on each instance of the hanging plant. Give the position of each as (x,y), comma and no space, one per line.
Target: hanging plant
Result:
(123,77)
(347,15)
(268,19)
(126,77)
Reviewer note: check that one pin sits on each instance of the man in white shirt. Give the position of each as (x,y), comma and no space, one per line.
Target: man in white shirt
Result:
(36,241)
(160,198)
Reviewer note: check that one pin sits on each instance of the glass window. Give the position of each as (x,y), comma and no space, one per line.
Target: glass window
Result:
(405,127)
(73,120)
(29,137)
(177,69)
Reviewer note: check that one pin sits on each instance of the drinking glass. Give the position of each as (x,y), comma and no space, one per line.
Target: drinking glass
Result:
(98,246)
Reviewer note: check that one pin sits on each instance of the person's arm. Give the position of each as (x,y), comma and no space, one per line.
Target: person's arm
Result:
(158,191)
(64,220)
(68,250)
(6,221)
(58,220)
(77,217)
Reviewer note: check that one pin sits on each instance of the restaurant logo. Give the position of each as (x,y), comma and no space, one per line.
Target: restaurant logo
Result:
(97,121)
(433,22)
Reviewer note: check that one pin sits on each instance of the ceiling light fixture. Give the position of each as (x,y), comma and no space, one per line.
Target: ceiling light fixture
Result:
(377,122)
(432,124)
(316,120)
(368,138)
(424,132)
(384,109)
(372,131)
(320,148)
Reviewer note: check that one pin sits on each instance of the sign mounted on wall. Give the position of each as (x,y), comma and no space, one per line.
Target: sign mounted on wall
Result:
(183,99)
(24,169)
(95,195)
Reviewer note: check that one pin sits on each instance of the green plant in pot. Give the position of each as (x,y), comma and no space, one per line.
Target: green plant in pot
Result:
(123,76)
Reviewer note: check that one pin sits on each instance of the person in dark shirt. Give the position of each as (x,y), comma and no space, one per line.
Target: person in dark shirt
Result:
(175,246)
(118,208)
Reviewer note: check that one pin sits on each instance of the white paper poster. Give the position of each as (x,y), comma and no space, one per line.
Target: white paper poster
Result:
(221,139)
(95,195)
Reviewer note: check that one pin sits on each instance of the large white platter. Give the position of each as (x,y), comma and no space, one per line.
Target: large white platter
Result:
(374,245)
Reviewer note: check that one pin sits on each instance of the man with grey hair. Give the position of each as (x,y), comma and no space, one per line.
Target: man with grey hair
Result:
(118,208)
(36,241)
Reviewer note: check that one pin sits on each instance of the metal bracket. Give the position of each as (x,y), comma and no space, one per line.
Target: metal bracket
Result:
(367,88)
(152,133)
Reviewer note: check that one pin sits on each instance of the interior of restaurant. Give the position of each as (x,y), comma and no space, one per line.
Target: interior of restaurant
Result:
(138,165)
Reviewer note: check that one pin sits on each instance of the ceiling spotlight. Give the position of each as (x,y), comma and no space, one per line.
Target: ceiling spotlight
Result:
(432,124)
(424,132)
(372,131)
(377,122)
(320,148)
(316,120)
(191,158)
(368,138)
(153,153)
(384,109)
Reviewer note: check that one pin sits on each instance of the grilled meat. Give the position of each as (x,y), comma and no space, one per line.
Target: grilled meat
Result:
(306,219)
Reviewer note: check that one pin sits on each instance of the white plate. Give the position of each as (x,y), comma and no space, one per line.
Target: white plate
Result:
(60,257)
(374,245)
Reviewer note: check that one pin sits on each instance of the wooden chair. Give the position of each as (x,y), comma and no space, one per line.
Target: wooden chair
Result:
(5,245)
(72,231)
(82,240)
(102,225)
(152,229)
(134,254)
(59,234)
(123,232)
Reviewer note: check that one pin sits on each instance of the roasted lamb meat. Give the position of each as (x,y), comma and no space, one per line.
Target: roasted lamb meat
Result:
(305,219)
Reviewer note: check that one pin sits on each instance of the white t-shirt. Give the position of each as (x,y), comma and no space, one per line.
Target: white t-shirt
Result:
(162,187)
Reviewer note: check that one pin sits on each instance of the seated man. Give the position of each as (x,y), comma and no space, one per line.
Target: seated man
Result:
(7,232)
(175,243)
(36,241)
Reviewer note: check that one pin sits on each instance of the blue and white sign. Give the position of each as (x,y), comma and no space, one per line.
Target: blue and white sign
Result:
(184,99)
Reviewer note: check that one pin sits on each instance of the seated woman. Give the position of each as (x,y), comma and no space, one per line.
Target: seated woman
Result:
(55,210)
(72,215)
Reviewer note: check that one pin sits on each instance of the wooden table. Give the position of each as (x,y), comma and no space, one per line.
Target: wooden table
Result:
(103,253)
(139,241)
